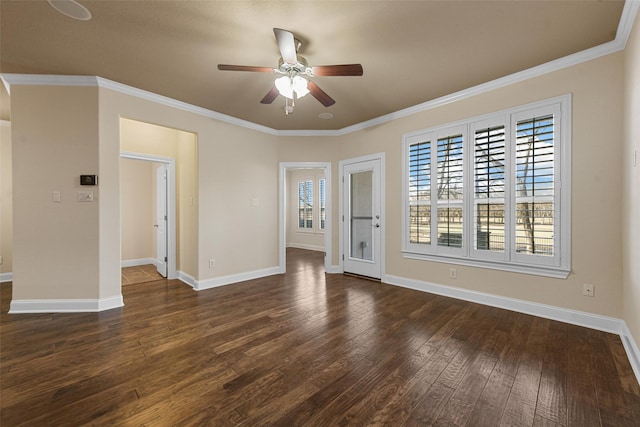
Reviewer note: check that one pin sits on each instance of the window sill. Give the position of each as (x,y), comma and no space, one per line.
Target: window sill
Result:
(537,270)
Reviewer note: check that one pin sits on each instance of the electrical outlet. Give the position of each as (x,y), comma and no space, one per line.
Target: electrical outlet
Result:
(588,290)
(212,263)
(453,273)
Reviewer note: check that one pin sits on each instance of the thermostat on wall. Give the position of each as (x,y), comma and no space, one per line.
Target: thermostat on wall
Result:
(88,179)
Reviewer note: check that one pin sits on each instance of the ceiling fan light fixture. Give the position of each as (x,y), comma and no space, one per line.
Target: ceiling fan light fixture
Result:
(300,86)
(287,86)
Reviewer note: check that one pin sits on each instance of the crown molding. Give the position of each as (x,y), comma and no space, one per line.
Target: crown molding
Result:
(625,26)
(628,17)
(170,102)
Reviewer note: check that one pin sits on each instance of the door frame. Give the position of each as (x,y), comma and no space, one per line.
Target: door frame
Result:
(341,207)
(282,211)
(171,205)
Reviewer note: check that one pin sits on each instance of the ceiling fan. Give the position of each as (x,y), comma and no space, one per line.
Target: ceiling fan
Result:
(295,72)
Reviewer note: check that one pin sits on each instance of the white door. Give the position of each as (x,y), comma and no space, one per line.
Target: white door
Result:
(362,230)
(161,220)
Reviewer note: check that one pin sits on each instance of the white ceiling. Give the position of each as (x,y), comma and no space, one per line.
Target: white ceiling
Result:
(411,51)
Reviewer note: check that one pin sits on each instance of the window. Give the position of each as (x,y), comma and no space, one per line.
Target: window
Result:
(305,205)
(311,203)
(420,193)
(449,169)
(322,203)
(500,195)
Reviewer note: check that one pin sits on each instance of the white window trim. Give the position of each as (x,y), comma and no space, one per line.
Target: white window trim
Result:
(560,265)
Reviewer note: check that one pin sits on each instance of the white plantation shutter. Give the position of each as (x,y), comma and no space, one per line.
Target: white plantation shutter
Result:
(499,198)
(305,205)
(420,193)
(489,214)
(534,186)
(450,189)
(322,203)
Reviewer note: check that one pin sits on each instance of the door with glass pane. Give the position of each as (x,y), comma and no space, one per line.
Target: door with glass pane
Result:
(362,213)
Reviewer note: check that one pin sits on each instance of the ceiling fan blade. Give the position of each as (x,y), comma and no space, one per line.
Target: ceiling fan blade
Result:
(320,95)
(338,70)
(270,96)
(287,45)
(225,67)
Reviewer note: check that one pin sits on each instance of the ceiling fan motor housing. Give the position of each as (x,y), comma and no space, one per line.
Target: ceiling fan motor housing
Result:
(301,67)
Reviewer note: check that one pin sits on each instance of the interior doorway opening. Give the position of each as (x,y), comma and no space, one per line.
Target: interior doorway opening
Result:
(305,209)
(148,213)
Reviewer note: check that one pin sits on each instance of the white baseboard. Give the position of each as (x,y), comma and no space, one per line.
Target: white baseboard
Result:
(574,317)
(6,277)
(187,278)
(137,262)
(200,285)
(305,246)
(335,269)
(631,347)
(65,305)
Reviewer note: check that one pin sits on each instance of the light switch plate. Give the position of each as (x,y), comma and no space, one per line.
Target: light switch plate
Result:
(84,196)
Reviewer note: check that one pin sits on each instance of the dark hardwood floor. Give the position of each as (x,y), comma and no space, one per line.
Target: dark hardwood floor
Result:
(307,349)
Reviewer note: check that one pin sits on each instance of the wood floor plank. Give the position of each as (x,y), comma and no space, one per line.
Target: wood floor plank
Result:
(490,405)
(582,400)
(460,405)
(623,367)
(552,400)
(304,349)
(521,404)
(612,397)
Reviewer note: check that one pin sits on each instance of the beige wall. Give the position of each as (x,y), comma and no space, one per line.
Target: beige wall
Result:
(313,240)
(56,246)
(631,185)
(596,250)
(596,232)
(137,179)
(6,205)
(187,204)
(234,166)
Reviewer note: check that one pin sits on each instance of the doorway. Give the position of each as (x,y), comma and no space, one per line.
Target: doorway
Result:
(362,213)
(311,217)
(164,211)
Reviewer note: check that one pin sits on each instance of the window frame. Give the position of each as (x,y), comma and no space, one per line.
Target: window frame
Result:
(559,264)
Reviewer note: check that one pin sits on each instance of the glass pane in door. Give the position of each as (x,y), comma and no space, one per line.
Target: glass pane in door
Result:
(361,215)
